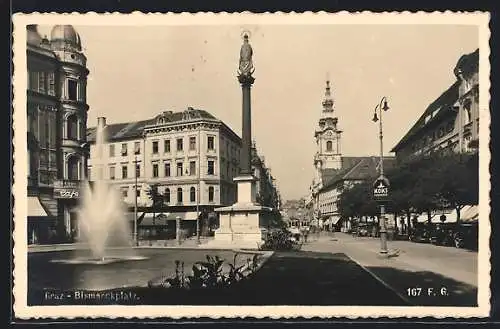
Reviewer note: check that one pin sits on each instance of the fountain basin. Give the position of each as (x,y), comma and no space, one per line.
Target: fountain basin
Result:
(98,261)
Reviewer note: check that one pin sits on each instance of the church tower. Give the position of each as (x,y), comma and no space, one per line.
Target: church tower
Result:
(327,134)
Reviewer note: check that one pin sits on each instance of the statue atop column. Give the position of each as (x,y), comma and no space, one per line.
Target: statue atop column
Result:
(246,65)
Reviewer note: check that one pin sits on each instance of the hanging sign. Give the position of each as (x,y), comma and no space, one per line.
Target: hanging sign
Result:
(381,188)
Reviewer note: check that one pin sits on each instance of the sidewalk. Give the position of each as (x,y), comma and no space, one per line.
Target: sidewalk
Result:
(419,269)
(188,243)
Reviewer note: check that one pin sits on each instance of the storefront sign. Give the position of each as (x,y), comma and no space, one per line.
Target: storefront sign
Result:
(66,189)
(381,188)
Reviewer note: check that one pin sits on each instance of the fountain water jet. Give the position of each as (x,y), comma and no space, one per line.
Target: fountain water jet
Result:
(101,215)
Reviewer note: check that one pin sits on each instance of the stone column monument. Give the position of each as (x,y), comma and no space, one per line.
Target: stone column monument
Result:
(241,224)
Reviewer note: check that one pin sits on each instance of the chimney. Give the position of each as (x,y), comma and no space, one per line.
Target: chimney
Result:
(101,122)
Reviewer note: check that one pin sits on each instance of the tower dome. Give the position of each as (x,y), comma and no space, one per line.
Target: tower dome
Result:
(65,34)
(33,37)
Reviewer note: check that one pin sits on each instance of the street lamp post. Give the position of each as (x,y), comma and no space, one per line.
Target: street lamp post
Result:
(381,107)
(135,202)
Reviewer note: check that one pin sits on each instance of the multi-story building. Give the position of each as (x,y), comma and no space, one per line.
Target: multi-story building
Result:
(56,116)
(191,156)
(267,191)
(354,170)
(327,160)
(335,173)
(451,122)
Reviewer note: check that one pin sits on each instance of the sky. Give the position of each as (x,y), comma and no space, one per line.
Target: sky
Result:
(137,72)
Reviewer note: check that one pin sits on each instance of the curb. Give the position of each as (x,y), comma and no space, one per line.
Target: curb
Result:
(403,298)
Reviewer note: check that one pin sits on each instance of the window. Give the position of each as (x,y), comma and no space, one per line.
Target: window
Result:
(179,195)
(72,127)
(329,146)
(111,150)
(73,168)
(124,194)
(112,172)
(192,194)
(211,145)
(211,194)
(52,84)
(124,149)
(192,168)
(167,195)
(89,172)
(72,89)
(166,146)
(210,167)
(41,82)
(137,148)
(137,170)
(155,147)
(192,143)
(155,170)
(179,168)
(180,145)
(138,193)
(124,172)
(167,170)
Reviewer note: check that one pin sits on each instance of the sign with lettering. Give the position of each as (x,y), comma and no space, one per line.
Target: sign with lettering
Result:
(66,189)
(381,188)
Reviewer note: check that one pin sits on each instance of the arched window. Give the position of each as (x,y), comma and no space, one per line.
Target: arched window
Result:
(179,195)
(73,168)
(192,194)
(167,195)
(72,127)
(329,145)
(211,194)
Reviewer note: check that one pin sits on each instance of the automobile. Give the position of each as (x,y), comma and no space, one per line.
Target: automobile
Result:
(421,232)
(466,236)
(363,230)
(442,235)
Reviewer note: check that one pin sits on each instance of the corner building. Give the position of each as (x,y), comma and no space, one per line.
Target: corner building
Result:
(191,156)
(56,117)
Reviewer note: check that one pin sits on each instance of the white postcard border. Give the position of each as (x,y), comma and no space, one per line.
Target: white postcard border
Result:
(240,21)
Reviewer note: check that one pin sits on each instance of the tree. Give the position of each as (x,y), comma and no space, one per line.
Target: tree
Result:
(156,198)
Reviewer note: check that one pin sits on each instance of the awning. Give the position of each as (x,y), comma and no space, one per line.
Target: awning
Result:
(35,208)
(469,213)
(334,220)
(161,218)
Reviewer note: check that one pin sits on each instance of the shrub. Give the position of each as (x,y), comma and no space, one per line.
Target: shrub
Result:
(280,241)
(207,274)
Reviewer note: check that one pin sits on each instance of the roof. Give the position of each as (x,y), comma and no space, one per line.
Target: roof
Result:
(120,131)
(358,168)
(443,105)
(135,129)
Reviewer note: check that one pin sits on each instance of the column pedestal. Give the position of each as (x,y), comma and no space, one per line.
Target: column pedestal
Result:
(241,224)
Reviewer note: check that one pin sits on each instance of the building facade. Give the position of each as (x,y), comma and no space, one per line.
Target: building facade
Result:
(56,116)
(267,191)
(190,156)
(328,158)
(451,122)
(354,170)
